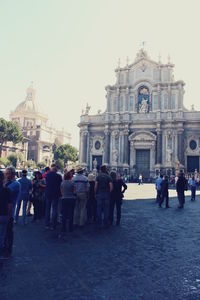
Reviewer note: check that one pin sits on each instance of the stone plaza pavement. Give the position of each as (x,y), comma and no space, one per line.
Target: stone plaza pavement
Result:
(154,254)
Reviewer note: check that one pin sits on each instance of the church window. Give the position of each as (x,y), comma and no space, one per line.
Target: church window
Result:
(165,75)
(121,104)
(165,102)
(155,102)
(173,101)
(131,106)
(121,78)
(127,103)
(97,145)
(156,75)
(115,104)
(109,104)
(193,144)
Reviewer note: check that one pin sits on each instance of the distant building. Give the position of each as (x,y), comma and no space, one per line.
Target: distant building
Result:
(145,128)
(34,125)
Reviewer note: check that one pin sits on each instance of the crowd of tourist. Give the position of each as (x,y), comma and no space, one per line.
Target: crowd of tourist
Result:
(73,200)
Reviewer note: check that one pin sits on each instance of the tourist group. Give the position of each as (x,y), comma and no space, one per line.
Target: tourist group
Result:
(72,200)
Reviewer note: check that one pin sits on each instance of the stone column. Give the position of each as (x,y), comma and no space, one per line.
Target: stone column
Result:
(107,147)
(159,97)
(159,147)
(84,147)
(180,147)
(169,98)
(180,97)
(132,157)
(126,147)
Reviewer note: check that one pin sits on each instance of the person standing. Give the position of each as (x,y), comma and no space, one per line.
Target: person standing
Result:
(38,196)
(164,194)
(82,188)
(116,197)
(193,185)
(26,187)
(46,171)
(181,187)
(5,212)
(92,203)
(53,182)
(68,202)
(158,188)
(103,188)
(140,179)
(15,190)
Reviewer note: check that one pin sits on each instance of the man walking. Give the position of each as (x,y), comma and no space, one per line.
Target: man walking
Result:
(181,187)
(103,188)
(53,193)
(26,187)
(164,192)
(158,188)
(82,188)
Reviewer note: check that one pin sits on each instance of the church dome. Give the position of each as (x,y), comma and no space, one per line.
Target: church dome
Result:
(29,105)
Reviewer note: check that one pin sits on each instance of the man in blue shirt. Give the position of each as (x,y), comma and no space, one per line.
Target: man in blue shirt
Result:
(158,188)
(53,193)
(26,187)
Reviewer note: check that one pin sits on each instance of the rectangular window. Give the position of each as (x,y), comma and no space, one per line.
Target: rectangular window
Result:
(121,103)
(173,101)
(165,102)
(127,103)
(121,79)
(115,104)
(155,102)
(131,104)
(155,75)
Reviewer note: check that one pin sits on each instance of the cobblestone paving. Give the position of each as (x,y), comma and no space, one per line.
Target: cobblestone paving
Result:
(154,254)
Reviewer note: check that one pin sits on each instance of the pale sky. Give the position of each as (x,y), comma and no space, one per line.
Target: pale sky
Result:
(69,49)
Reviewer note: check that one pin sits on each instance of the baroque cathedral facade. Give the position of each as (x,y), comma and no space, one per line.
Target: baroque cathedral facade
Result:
(145,128)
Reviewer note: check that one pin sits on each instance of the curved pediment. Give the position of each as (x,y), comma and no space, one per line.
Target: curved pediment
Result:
(142,136)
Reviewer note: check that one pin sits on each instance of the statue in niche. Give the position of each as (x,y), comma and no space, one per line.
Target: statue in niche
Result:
(115,155)
(95,163)
(143,106)
(169,155)
(143,100)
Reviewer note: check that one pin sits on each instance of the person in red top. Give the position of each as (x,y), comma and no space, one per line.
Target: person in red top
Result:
(46,171)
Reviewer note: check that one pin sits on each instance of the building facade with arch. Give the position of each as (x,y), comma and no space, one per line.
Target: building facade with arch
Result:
(145,128)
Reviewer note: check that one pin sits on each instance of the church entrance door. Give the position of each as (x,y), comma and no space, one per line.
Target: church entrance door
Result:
(192,163)
(143,162)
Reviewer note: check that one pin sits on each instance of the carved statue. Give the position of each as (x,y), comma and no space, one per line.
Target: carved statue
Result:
(95,163)
(115,155)
(169,155)
(144,106)
(87,109)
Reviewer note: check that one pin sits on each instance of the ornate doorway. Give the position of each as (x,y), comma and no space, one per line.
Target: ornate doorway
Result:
(143,162)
